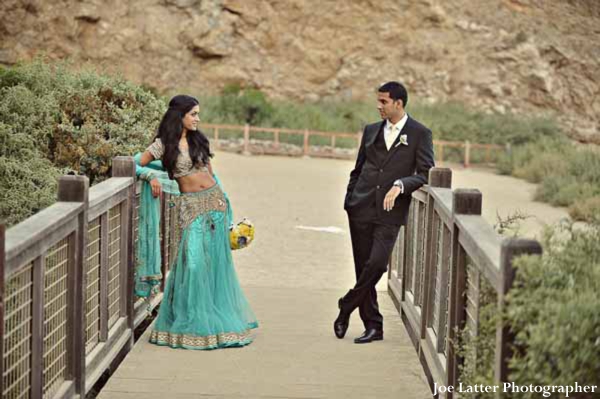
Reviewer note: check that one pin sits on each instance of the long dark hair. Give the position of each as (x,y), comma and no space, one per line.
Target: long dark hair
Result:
(170,130)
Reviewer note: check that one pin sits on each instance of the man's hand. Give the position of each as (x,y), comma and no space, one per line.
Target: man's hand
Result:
(390,198)
(156,187)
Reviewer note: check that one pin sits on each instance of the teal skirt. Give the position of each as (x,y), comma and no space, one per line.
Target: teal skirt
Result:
(203,306)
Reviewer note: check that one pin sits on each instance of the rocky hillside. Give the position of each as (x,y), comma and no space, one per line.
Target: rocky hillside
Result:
(520,55)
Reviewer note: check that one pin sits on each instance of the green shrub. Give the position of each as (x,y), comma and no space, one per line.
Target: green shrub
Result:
(567,175)
(448,121)
(542,166)
(55,121)
(565,190)
(237,105)
(455,122)
(553,310)
(27,187)
(479,351)
(588,209)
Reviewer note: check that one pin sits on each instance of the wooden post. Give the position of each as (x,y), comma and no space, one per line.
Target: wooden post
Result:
(465,202)
(467,153)
(103,282)
(438,177)
(511,248)
(276,139)
(305,146)
(76,189)
(333,141)
(246,139)
(217,138)
(125,167)
(37,324)
(2,285)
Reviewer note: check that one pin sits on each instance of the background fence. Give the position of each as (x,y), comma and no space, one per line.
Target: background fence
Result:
(281,141)
(441,260)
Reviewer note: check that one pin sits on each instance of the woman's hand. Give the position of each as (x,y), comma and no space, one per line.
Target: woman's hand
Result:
(156,187)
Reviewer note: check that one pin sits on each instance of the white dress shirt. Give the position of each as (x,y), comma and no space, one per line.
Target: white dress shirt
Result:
(391,131)
(390,134)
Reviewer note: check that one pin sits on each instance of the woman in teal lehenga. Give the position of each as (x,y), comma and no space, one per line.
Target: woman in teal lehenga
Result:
(203,306)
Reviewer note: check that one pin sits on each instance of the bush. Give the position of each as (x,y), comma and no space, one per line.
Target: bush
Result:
(239,106)
(479,351)
(553,310)
(448,121)
(588,209)
(455,122)
(54,121)
(567,175)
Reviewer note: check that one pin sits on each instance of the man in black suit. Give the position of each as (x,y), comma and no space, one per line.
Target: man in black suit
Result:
(394,159)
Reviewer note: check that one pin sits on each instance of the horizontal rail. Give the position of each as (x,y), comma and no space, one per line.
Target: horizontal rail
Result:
(327,150)
(32,237)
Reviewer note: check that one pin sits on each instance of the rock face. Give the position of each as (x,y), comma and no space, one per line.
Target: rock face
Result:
(519,55)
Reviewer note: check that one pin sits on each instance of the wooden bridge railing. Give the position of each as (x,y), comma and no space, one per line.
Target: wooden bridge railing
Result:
(442,256)
(67,303)
(333,137)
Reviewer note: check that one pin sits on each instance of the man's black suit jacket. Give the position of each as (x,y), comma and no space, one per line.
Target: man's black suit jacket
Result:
(375,172)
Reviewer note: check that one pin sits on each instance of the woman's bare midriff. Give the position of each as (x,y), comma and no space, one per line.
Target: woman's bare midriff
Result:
(195,182)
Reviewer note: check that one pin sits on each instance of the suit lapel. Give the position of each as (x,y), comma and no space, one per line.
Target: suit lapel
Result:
(374,133)
(395,144)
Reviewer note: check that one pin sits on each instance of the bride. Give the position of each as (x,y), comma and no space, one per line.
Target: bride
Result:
(203,306)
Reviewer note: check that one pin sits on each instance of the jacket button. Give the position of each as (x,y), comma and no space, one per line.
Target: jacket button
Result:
(378,187)
(380,170)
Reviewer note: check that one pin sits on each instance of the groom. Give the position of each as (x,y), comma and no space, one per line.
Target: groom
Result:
(394,159)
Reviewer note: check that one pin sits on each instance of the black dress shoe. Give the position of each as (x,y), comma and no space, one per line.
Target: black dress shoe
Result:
(369,335)
(340,325)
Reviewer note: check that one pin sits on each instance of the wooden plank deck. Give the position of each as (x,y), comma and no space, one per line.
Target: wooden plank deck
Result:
(292,277)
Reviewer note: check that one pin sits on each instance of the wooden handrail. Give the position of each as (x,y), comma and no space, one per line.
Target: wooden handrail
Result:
(437,294)
(30,253)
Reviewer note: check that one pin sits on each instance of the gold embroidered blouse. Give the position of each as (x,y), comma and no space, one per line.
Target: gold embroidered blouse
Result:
(184,165)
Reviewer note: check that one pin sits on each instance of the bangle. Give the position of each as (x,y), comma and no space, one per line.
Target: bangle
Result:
(147,176)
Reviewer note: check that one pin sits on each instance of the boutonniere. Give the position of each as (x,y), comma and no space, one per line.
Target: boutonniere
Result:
(403,140)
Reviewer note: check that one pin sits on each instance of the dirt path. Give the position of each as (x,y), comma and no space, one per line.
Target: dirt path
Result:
(281,193)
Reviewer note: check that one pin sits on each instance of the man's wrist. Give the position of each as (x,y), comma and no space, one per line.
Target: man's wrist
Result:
(398,183)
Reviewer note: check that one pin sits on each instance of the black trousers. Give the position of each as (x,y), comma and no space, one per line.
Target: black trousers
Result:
(372,245)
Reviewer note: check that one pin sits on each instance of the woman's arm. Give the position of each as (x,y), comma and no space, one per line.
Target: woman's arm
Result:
(146,158)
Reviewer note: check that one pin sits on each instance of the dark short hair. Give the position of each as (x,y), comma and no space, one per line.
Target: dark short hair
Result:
(397,91)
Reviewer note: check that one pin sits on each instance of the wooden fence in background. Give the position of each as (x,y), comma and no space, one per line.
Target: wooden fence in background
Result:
(332,140)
